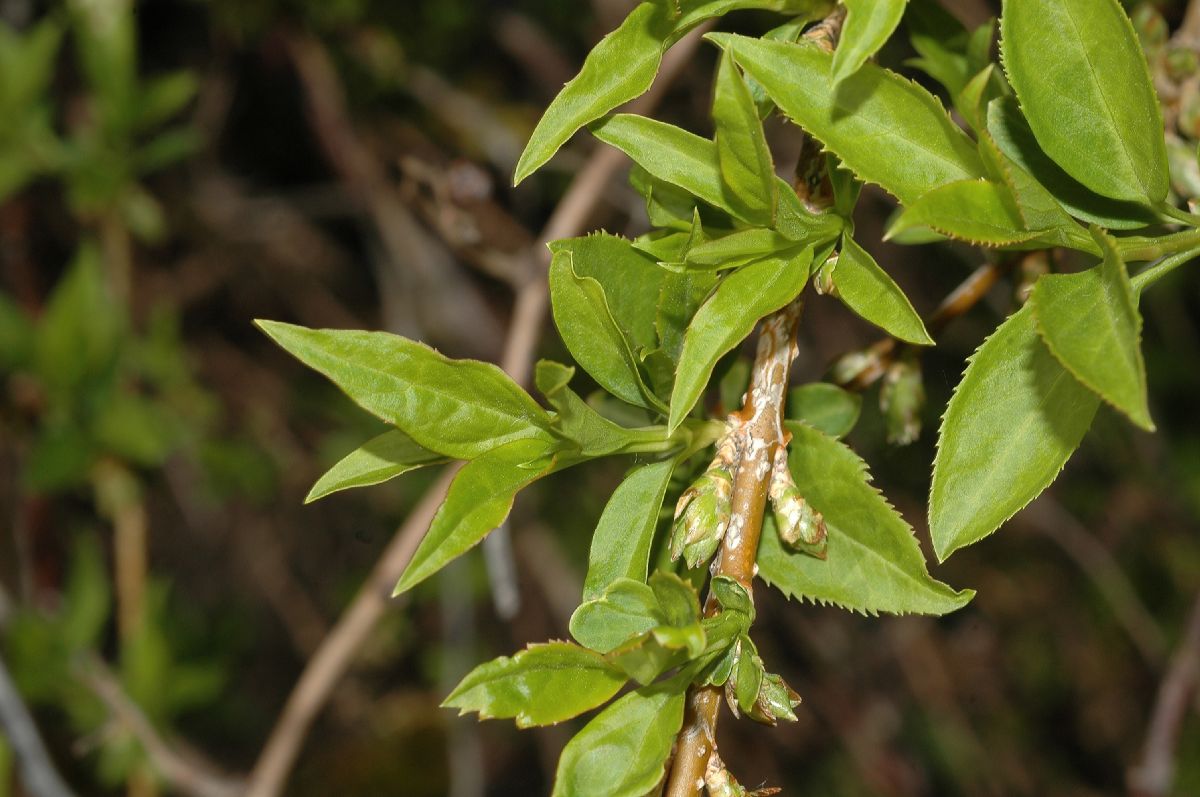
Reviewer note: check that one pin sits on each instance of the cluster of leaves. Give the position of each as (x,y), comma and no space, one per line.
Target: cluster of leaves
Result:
(94,400)
(54,657)
(93,392)
(1063,147)
(119,140)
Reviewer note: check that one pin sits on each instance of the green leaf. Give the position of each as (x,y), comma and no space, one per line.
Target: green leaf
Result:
(623,65)
(627,609)
(584,317)
(81,327)
(479,499)
(619,68)
(729,315)
(874,563)
(459,408)
(1036,206)
(1085,87)
(737,249)
(1090,322)
(869,24)
(385,457)
(871,293)
(941,41)
(625,533)
(1016,140)
(595,435)
(825,407)
(542,685)
(979,211)
(621,752)
(669,153)
(1014,420)
(886,129)
(745,162)
(631,280)
(681,296)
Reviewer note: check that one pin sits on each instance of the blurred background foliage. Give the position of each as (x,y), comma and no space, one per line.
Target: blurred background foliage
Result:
(171,169)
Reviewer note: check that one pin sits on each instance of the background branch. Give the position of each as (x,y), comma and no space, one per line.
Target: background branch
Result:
(37,771)
(1154,775)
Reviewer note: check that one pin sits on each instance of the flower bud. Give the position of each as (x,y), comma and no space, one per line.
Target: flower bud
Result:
(901,400)
(799,525)
(701,517)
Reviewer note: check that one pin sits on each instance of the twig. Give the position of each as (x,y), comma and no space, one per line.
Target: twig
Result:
(450,305)
(337,650)
(959,301)
(189,777)
(1155,774)
(38,774)
(759,423)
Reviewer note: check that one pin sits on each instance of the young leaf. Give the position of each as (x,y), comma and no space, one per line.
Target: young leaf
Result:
(745,162)
(740,300)
(978,211)
(624,63)
(1012,134)
(874,563)
(585,321)
(626,609)
(886,129)
(385,457)
(824,407)
(1090,322)
(479,499)
(1014,420)
(747,675)
(541,685)
(941,42)
(621,752)
(669,153)
(737,249)
(625,533)
(869,24)
(595,435)
(619,68)
(1085,87)
(459,408)
(871,293)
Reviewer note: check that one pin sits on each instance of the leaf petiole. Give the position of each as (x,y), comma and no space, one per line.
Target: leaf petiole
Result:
(1154,273)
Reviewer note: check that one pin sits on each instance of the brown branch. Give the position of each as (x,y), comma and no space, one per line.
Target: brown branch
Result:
(184,774)
(1154,775)
(337,650)
(759,427)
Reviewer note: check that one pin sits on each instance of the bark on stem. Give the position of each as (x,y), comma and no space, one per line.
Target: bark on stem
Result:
(760,425)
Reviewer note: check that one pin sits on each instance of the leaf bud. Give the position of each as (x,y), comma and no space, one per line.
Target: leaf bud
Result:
(701,517)
(799,525)
(823,280)
(776,701)
(901,400)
